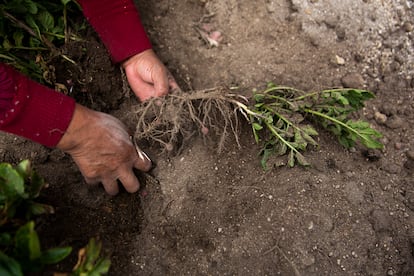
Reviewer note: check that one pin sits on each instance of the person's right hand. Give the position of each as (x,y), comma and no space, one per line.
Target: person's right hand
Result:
(101,147)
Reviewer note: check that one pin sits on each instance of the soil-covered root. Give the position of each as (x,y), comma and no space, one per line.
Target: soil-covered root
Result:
(173,120)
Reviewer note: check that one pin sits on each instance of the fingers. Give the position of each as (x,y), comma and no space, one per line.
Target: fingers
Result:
(129,180)
(173,86)
(143,90)
(111,186)
(161,82)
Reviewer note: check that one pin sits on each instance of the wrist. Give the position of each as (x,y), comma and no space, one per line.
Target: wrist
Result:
(131,60)
(80,119)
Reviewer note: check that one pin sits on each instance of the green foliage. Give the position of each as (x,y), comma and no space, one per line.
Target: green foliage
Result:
(90,262)
(278,120)
(20,249)
(33,28)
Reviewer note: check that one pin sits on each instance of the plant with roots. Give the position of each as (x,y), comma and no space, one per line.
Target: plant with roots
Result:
(282,119)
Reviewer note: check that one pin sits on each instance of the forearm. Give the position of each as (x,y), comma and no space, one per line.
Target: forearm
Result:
(31,110)
(119,26)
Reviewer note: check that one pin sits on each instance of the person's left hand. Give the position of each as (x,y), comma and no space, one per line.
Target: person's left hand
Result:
(147,76)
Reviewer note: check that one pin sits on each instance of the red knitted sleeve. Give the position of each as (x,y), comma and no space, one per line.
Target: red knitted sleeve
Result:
(119,26)
(31,110)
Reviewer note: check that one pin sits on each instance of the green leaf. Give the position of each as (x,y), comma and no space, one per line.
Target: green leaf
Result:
(18,38)
(27,242)
(55,255)
(257,126)
(9,266)
(11,182)
(65,2)
(102,267)
(30,6)
(39,209)
(46,20)
(37,184)
(265,157)
(302,160)
(5,239)
(24,169)
(32,23)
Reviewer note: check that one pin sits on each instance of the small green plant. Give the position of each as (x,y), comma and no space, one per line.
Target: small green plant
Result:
(278,120)
(31,32)
(90,262)
(20,249)
(282,119)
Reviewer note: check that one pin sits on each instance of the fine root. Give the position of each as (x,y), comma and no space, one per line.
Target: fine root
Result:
(173,120)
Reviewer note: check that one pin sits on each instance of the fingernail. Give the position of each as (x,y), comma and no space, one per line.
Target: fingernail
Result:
(143,156)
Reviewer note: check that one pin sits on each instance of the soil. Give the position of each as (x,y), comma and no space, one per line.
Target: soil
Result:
(208,213)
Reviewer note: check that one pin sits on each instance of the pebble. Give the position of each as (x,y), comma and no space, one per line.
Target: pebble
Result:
(398,146)
(339,60)
(394,122)
(409,165)
(354,194)
(388,109)
(408,27)
(353,80)
(271,7)
(410,155)
(392,168)
(380,118)
(381,221)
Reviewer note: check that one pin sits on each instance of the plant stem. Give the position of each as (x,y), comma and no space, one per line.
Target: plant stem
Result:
(350,129)
(274,132)
(30,31)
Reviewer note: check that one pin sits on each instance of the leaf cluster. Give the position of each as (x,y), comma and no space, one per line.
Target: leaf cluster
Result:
(29,28)
(20,250)
(282,117)
(90,262)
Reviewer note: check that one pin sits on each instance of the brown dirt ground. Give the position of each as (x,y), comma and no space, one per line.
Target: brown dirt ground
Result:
(205,213)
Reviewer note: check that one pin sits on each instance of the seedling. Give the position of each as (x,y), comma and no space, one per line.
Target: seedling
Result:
(282,119)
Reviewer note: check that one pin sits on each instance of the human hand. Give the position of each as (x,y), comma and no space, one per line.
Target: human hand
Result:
(147,76)
(101,147)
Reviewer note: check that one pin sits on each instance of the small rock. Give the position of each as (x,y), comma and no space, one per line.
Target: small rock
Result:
(381,221)
(271,6)
(408,27)
(388,109)
(380,118)
(392,168)
(353,80)
(398,146)
(354,194)
(390,272)
(409,165)
(394,122)
(339,60)
(331,21)
(341,34)
(410,155)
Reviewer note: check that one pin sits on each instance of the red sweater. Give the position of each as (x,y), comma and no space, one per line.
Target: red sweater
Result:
(41,114)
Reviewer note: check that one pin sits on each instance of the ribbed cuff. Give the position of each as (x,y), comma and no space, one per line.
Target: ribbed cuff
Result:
(37,113)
